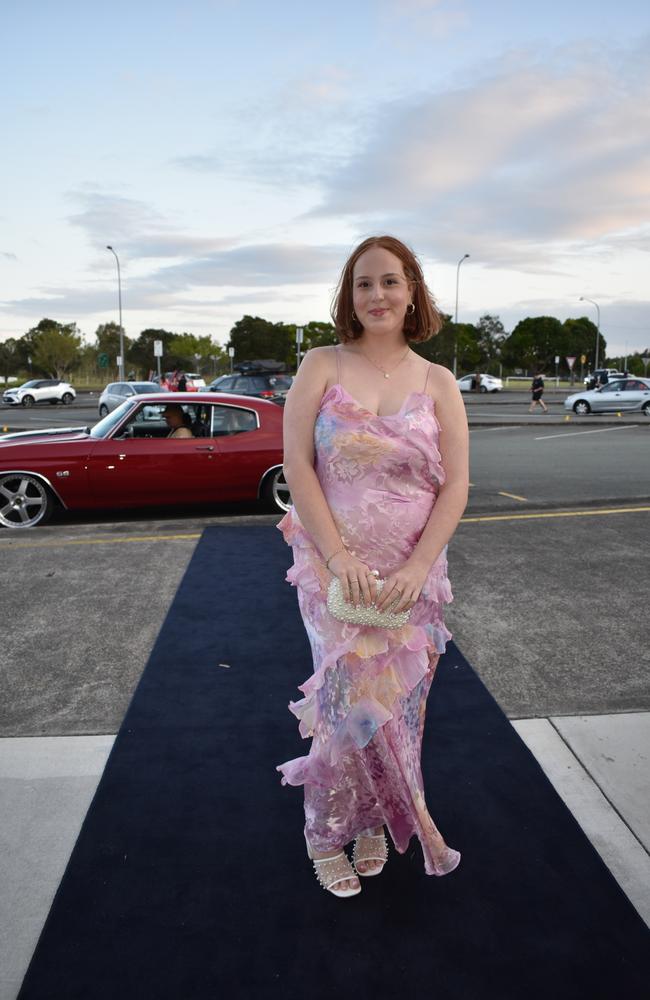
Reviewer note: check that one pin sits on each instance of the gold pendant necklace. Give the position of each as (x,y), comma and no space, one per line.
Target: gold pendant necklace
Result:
(381,368)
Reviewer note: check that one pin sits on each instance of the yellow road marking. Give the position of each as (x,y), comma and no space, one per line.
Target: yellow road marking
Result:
(502,493)
(192,536)
(558,513)
(100,541)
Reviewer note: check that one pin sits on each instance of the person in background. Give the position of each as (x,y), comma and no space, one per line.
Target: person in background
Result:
(537,389)
(182,383)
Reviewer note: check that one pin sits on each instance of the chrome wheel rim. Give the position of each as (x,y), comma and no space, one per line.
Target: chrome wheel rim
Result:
(280,491)
(581,408)
(23,501)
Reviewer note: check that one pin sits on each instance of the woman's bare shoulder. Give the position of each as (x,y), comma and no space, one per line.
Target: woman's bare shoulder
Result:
(317,365)
(441,381)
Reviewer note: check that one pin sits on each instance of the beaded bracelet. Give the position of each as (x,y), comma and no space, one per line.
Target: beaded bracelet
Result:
(327,561)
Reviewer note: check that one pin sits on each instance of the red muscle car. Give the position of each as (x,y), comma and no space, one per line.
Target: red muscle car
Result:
(228,448)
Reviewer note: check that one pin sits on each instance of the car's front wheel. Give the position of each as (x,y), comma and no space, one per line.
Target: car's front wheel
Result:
(27,400)
(67,398)
(581,406)
(275,491)
(103,410)
(24,501)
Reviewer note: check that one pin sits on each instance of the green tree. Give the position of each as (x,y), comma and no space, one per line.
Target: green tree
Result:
(141,354)
(458,338)
(107,341)
(318,334)
(9,358)
(533,344)
(581,339)
(255,338)
(491,336)
(55,347)
(184,349)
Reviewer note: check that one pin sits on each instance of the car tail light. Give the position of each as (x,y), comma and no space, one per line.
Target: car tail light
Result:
(267,394)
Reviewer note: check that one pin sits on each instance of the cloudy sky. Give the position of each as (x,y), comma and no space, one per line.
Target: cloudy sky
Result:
(233,152)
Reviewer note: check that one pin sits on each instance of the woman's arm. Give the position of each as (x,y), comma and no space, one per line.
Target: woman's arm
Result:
(452,497)
(300,410)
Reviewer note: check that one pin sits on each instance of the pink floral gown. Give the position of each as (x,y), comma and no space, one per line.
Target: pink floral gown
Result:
(364,704)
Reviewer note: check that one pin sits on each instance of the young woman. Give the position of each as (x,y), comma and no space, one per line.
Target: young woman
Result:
(376,457)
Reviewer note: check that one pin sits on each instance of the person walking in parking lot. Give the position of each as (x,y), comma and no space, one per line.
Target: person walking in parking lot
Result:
(378,489)
(537,389)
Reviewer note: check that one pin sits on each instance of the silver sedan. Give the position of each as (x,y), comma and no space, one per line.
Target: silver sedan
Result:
(621,394)
(116,392)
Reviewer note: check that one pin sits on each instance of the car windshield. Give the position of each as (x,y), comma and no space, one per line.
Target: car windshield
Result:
(28,385)
(104,427)
(280,382)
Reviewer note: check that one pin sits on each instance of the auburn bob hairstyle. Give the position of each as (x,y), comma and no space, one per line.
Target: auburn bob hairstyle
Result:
(421,324)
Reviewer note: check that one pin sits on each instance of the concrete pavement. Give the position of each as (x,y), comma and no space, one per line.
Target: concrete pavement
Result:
(561,647)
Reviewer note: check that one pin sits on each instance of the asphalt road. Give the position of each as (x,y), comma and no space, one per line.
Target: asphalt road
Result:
(550,609)
(501,407)
(548,568)
(511,468)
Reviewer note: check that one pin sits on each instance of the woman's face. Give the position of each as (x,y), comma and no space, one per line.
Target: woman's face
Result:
(380,291)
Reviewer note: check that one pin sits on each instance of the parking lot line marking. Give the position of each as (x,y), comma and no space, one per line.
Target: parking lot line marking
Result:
(502,493)
(508,427)
(599,511)
(600,430)
(100,541)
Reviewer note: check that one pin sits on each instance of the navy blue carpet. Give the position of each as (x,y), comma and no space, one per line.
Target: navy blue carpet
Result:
(189,879)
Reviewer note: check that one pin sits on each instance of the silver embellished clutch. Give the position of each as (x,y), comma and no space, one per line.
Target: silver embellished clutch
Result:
(361,614)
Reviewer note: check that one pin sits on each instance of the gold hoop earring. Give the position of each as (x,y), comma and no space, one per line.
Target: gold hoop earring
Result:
(410,308)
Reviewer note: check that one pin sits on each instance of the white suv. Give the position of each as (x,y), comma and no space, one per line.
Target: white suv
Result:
(40,390)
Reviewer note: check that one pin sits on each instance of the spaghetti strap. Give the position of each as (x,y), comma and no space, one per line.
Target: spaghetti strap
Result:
(338,364)
(427,378)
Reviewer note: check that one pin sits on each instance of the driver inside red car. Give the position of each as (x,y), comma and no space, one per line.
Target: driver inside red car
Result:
(178,421)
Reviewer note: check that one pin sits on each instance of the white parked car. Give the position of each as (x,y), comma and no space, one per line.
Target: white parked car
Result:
(489,383)
(194,381)
(40,390)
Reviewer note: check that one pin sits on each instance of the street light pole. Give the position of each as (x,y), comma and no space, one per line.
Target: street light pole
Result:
(119,299)
(456,314)
(584,299)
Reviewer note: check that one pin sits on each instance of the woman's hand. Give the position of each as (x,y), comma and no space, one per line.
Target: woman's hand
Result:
(404,585)
(358,582)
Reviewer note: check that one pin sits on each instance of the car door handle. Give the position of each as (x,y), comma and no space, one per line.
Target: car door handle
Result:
(204,447)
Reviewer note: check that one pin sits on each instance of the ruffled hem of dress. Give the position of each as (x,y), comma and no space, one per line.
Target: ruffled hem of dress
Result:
(390,664)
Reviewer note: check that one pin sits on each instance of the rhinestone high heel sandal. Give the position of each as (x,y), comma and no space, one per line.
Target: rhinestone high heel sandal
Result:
(370,847)
(329,871)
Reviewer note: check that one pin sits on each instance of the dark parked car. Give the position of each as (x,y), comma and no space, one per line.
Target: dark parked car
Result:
(128,459)
(266,385)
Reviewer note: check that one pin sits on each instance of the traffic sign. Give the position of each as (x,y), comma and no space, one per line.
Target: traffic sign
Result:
(583,358)
(102,360)
(570,362)
(157,348)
